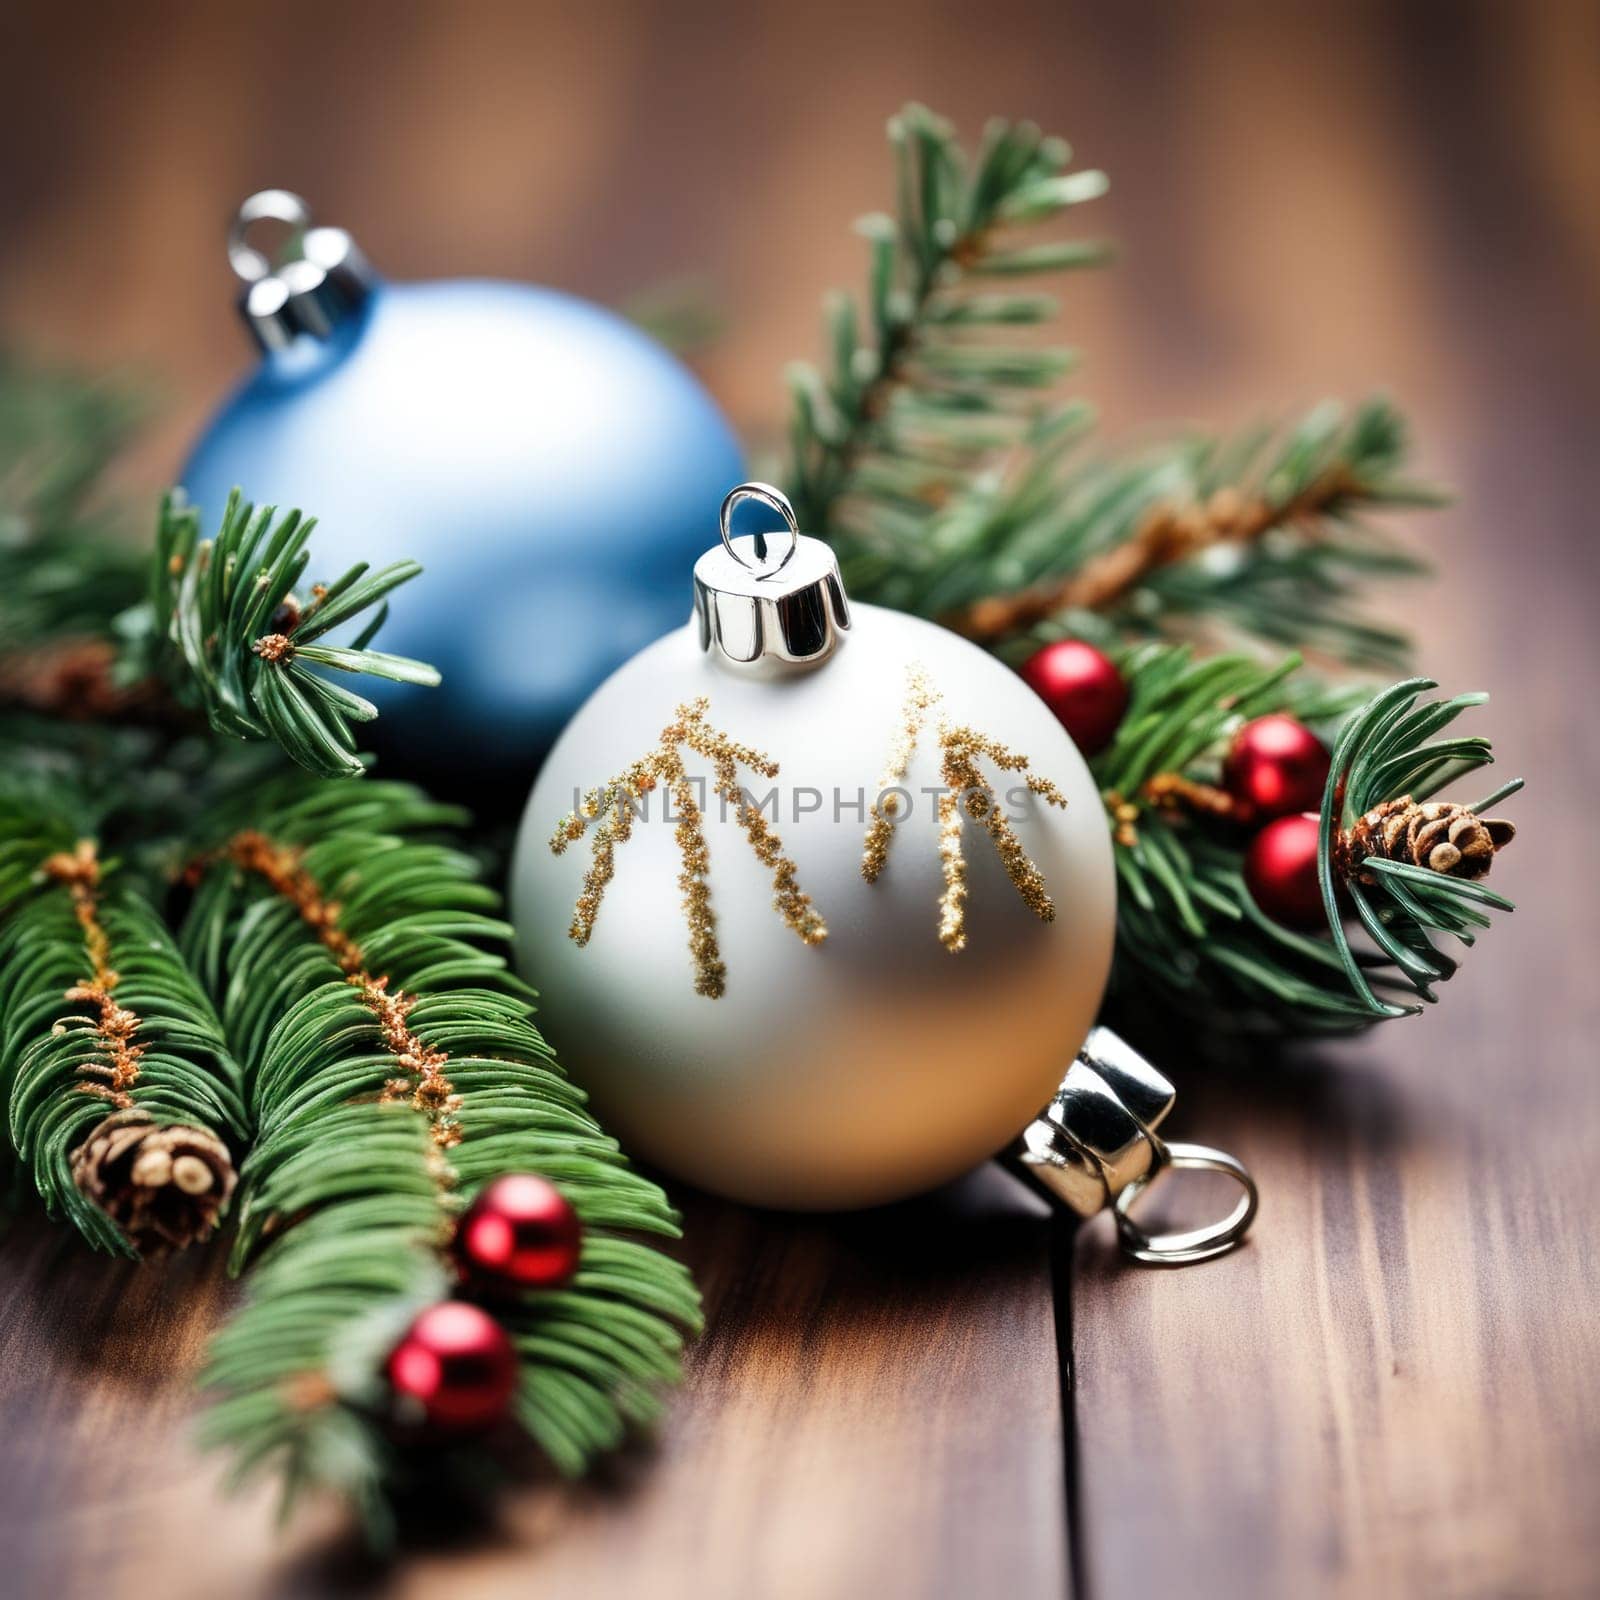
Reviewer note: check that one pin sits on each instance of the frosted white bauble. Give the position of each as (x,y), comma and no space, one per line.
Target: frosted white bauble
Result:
(876,1063)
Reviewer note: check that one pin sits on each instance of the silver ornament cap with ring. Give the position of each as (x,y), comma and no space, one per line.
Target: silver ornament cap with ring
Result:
(769,605)
(950,958)
(1095,1146)
(322,279)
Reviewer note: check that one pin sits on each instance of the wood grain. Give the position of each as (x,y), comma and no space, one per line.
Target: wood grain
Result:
(1394,1388)
(874,1409)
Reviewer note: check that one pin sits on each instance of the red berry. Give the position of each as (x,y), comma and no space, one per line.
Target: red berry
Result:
(1276,766)
(520,1232)
(1280,870)
(457,1365)
(1084,689)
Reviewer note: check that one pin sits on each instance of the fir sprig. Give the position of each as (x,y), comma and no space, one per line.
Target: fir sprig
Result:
(382,1104)
(1267,534)
(1188,928)
(224,626)
(123,1101)
(939,380)
(954,481)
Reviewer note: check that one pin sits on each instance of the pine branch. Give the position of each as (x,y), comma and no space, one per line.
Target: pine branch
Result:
(940,384)
(122,1099)
(393,1072)
(223,625)
(954,483)
(1189,931)
(1263,535)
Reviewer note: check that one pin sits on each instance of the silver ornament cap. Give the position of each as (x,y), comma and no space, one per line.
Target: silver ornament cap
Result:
(769,604)
(1095,1147)
(319,280)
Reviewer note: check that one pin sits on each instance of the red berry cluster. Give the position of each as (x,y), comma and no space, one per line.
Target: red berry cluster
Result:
(1274,774)
(456,1368)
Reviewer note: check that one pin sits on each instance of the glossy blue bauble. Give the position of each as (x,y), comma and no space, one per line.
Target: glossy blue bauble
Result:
(555,471)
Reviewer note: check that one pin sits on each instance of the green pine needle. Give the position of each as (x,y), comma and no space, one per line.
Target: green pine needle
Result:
(1387,750)
(223,625)
(927,379)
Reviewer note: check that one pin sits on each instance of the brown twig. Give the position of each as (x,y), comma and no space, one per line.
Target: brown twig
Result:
(163,1186)
(423,1082)
(1170,791)
(1167,534)
(1175,792)
(78,871)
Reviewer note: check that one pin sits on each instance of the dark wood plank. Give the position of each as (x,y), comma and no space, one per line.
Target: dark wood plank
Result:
(102,1490)
(1394,1389)
(873,1409)
(876,1403)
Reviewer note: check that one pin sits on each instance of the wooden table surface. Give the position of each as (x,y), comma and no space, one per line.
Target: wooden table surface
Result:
(1396,1387)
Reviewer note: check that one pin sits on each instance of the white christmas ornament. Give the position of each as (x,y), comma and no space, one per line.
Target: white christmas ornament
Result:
(822,906)
(799,923)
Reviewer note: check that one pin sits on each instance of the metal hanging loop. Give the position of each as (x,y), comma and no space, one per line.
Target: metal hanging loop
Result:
(1095,1148)
(266,205)
(1193,1244)
(774,499)
(765,617)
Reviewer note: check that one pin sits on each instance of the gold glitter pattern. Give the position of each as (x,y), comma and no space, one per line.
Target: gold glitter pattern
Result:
(965,791)
(611,806)
(921,697)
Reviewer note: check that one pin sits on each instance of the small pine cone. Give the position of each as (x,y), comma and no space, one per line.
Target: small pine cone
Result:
(1438,835)
(164,1187)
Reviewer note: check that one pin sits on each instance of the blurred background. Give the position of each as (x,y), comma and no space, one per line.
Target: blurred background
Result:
(1307,200)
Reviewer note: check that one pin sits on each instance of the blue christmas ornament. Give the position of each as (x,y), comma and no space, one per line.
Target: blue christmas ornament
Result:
(553,469)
